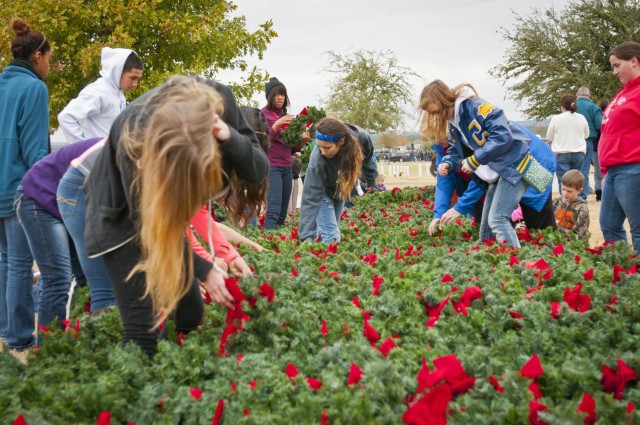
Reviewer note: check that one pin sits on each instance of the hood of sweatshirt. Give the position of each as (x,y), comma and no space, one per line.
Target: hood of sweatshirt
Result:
(112,61)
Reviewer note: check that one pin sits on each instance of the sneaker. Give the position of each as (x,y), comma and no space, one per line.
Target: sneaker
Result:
(598,194)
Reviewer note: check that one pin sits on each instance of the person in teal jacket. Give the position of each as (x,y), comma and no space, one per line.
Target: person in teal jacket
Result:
(593,115)
(24,139)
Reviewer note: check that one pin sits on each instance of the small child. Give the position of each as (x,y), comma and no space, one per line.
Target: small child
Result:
(380,183)
(572,214)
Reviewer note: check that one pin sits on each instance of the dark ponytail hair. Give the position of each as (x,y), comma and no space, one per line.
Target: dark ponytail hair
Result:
(350,155)
(27,40)
(568,102)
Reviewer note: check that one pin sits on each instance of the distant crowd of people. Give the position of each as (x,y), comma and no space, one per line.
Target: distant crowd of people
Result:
(127,204)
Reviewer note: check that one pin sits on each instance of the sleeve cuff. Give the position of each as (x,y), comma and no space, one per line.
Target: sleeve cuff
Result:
(472,162)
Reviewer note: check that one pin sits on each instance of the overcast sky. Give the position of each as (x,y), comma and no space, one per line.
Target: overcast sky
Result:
(456,41)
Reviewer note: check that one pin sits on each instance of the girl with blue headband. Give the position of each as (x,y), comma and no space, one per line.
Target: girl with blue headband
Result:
(333,171)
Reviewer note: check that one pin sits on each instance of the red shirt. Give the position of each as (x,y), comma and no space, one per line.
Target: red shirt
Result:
(620,138)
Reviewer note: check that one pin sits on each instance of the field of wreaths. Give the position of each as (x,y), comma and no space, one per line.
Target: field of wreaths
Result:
(390,326)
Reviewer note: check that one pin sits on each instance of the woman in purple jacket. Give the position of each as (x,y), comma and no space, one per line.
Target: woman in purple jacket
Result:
(280,176)
(38,212)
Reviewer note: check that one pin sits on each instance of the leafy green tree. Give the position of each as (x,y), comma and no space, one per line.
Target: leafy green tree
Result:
(370,90)
(558,51)
(172,37)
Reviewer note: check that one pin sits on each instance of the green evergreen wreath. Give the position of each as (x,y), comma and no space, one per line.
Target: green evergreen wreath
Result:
(307,117)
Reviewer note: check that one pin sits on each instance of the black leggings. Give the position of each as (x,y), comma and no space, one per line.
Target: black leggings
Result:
(136,310)
(539,220)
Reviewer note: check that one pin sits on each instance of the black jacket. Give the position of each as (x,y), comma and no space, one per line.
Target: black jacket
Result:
(369,168)
(112,214)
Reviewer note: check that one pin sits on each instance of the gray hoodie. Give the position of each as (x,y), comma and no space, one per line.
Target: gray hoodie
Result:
(98,104)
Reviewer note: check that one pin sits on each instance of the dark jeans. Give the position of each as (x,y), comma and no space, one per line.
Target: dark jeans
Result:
(49,243)
(136,310)
(280,184)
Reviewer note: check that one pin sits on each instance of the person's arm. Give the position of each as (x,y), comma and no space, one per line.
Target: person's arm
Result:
(221,247)
(197,246)
(78,110)
(581,223)
(34,125)
(488,128)
(241,152)
(597,117)
(237,237)
(445,186)
(585,127)
(551,130)
(469,198)
(312,194)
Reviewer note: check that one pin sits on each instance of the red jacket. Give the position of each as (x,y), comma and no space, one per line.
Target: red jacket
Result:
(620,138)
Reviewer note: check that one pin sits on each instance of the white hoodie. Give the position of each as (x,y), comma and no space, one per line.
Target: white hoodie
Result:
(98,104)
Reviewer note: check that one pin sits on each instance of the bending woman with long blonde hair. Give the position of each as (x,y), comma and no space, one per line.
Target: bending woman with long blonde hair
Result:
(161,163)
(334,167)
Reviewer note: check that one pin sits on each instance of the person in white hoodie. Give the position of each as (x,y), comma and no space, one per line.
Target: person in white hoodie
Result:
(98,104)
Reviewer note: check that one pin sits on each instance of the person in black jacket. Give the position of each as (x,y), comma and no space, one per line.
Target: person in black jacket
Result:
(168,152)
(369,166)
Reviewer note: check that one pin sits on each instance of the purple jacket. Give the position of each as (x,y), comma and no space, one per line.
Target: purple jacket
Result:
(40,184)
(279,154)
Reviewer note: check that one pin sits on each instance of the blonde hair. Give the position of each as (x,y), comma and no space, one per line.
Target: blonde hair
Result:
(350,155)
(434,126)
(177,169)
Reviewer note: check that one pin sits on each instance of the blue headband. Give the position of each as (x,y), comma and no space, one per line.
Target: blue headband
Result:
(326,137)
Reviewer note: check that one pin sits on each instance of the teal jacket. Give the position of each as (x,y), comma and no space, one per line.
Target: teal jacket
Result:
(592,113)
(24,129)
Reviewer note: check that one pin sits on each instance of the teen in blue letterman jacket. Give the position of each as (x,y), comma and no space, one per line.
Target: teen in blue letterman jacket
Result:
(537,207)
(484,129)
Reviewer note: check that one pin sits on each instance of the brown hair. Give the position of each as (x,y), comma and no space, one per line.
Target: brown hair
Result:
(573,179)
(244,199)
(27,41)
(626,51)
(568,102)
(258,123)
(434,126)
(350,155)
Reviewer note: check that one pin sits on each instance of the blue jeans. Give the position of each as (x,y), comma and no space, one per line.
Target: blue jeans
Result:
(501,199)
(568,161)
(49,242)
(280,183)
(586,166)
(328,219)
(72,206)
(620,196)
(17,320)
